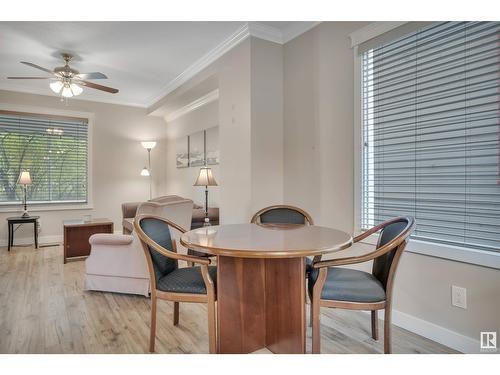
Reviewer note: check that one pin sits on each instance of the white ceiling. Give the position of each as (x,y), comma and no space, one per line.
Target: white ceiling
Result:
(144,60)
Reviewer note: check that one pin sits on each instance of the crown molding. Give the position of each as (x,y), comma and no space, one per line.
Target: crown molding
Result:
(229,43)
(254,29)
(261,31)
(298,29)
(372,30)
(205,99)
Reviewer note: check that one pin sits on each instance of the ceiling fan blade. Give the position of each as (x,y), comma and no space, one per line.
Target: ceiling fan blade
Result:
(37,67)
(96,86)
(29,77)
(93,75)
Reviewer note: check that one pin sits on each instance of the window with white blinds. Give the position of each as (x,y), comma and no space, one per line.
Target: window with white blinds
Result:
(431,128)
(53,149)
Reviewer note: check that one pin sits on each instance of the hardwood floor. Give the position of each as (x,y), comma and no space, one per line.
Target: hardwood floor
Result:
(43,309)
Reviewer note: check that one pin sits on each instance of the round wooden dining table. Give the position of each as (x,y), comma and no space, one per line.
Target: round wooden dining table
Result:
(261,281)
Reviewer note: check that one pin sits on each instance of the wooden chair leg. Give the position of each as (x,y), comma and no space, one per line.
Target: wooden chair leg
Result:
(374,325)
(316,334)
(176,313)
(311,313)
(387,330)
(212,339)
(152,334)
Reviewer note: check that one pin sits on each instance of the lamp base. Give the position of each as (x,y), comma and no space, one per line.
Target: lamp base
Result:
(25,214)
(206,223)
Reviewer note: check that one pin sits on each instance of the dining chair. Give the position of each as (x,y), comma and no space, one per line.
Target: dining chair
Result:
(168,281)
(345,288)
(285,214)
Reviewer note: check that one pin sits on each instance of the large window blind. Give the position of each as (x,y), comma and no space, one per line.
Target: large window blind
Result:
(431,103)
(54,151)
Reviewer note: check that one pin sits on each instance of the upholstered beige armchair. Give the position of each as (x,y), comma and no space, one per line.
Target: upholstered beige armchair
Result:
(117,262)
(153,207)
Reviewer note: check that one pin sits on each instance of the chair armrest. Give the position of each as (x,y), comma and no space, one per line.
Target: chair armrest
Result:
(129,209)
(110,239)
(175,255)
(365,257)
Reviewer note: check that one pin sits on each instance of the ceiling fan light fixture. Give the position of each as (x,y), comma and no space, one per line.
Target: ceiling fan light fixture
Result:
(66,91)
(77,90)
(56,86)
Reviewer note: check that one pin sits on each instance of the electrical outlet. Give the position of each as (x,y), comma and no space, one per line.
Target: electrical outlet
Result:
(459,296)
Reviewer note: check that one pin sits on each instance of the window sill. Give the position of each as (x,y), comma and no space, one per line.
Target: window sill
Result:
(482,258)
(47,207)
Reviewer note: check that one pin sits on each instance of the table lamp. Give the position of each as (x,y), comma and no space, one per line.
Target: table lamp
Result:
(206,178)
(25,180)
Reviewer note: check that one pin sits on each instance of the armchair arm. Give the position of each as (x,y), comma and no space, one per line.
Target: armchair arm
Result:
(145,208)
(110,239)
(129,209)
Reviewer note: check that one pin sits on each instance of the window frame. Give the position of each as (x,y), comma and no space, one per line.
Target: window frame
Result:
(57,205)
(478,257)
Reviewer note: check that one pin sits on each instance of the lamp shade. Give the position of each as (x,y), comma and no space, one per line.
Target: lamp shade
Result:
(24,178)
(205,178)
(145,172)
(148,144)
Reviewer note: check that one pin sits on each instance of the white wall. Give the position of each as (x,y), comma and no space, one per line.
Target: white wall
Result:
(319,175)
(117,155)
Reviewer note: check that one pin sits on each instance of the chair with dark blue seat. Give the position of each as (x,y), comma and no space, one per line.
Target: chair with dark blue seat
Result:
(346,288)
(168,281)
(285,214)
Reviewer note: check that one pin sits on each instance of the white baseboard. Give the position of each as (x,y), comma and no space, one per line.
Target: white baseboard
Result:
(434,332)
(42,240)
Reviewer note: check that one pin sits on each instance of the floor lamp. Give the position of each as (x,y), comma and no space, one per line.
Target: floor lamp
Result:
(146,171)
(206,178)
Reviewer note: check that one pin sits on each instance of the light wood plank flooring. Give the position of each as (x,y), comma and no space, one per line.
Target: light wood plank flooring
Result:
(43,309)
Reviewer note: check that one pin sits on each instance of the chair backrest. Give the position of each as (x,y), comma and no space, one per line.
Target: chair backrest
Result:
(282,214)
(155,229)
(396,232)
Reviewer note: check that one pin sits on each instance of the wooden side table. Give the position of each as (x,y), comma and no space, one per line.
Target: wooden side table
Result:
(77,234)
(22,220)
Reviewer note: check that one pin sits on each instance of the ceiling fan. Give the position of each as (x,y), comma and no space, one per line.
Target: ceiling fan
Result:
(66,81)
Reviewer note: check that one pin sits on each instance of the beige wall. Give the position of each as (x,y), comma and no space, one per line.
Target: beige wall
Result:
(117,154)
(267,124)
(319,123)
(250,118)
(180,180)
(319,175)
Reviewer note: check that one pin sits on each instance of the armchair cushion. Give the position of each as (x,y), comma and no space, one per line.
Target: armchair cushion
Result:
(345,284)
(186,280)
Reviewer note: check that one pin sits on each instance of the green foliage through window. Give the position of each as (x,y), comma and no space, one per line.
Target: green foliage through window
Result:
(52,149)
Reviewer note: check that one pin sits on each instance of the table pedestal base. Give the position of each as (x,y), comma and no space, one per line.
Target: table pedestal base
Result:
(261,303)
